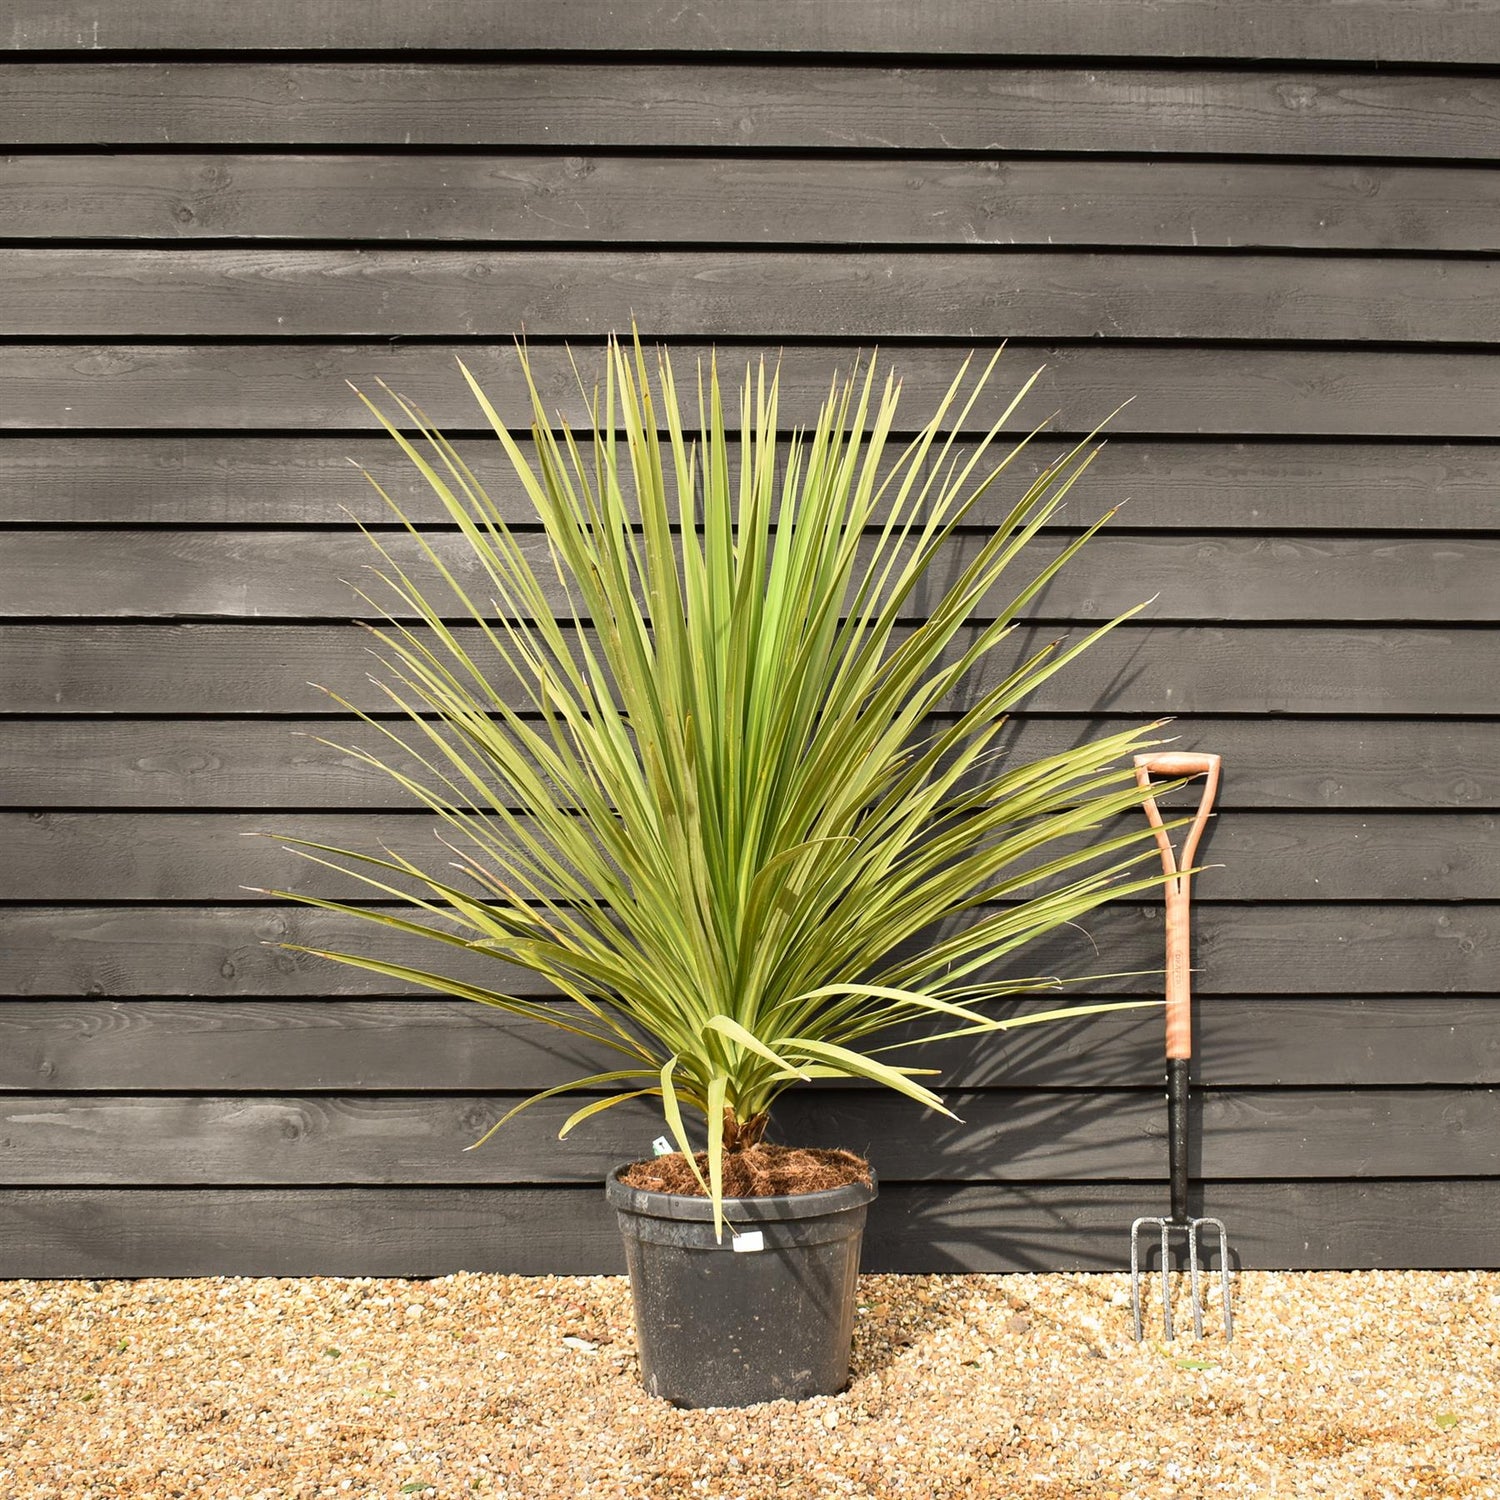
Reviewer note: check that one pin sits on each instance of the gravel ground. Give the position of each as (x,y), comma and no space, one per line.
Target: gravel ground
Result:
(1367,1384)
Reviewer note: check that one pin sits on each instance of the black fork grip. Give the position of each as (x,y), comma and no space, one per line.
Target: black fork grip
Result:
(1177,1141)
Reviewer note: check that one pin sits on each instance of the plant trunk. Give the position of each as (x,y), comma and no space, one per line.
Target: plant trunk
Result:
(741,1135)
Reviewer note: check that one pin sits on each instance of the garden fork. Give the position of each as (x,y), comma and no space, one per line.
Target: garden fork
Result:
(1179,1047)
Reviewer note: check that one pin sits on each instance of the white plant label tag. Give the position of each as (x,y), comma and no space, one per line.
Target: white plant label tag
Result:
(745,1244)
(662,1146)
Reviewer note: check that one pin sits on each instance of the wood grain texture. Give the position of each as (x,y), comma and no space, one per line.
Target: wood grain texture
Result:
(748,200)
(1388,30)
(238,764)
(1201,485)
(226,1045)
(269,575)
(1004,1136)
(583,294)
(424,1231)
(1266,222)
(1172,391)
(1293,950)
(557,106)
(1141,671)
(1265,856)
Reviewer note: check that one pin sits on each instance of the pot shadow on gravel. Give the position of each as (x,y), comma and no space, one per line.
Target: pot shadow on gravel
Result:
(892,1318)
(898,1315)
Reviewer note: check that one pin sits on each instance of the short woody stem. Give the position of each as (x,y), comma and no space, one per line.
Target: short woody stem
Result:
(740,1135)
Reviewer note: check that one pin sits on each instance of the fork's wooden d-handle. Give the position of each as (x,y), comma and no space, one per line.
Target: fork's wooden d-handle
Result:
(1175,764)
(1178,763)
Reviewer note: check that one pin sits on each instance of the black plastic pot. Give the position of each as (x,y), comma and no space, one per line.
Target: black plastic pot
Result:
(768,1314)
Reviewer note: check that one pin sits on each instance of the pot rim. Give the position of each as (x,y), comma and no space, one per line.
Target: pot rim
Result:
(784,1206)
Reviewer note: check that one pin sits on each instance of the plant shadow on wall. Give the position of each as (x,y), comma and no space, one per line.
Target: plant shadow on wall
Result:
(684,754)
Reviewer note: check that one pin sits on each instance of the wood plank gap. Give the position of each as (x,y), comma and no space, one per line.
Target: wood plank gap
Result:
(987,250)
(793,345)
(608,57)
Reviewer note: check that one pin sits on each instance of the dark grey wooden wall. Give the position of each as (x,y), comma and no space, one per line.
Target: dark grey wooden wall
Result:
(1270,223)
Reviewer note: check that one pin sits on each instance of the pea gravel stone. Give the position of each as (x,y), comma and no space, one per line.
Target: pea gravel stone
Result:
(1338,1384)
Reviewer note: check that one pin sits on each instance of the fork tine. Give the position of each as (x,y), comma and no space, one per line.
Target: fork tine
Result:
(1135,1274)
(1166,1281)
(1193,1275)
(1218,1225)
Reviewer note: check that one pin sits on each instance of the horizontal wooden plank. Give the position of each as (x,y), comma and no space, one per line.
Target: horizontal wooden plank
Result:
(1281,1225)
(147,856)
(1384,30)
(220,1046)
(553,105)
(749,200)
(1142,672)
(912,1227)
(268,575)
(580,294)
(1173,391)
(235,951)
(1183,486)
(240,764)
(1289,487)
(98,1232)
(1004,1136)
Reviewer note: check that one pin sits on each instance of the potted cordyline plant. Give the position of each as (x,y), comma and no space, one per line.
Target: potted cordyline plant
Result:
(726,827)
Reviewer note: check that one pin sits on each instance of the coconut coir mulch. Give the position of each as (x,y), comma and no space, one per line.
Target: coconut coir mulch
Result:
(759,1171)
